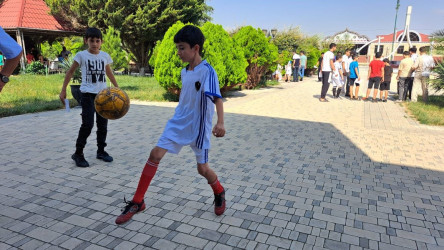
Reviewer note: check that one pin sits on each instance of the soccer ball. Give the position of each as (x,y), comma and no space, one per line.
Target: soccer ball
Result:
(112,103)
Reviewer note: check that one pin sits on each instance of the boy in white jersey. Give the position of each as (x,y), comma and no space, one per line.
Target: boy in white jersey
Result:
(338,77)
(191,123)
(95,66)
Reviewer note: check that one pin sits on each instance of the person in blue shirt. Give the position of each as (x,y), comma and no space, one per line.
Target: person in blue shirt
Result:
(355,78)
(12,51)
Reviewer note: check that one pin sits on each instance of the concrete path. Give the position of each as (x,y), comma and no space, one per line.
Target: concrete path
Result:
(299,174)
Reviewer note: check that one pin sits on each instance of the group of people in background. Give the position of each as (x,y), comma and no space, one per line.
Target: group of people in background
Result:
(295,67)
(35,55)
(342,71)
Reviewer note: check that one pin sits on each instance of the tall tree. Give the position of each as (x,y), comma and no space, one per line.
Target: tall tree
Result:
(141,23)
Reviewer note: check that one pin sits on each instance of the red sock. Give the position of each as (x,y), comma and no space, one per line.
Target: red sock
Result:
(145,179)
(217,187)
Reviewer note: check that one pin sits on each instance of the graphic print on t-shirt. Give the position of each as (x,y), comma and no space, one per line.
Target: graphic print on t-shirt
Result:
(95,71)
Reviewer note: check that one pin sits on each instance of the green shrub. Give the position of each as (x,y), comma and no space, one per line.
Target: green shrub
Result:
(258,51)
(168,65)
(35,68)
(66,65)
(438,82)
(112,44)
(224,55)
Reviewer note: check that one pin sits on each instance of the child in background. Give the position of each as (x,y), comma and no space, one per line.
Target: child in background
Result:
(95,66)
(385,85)
(355,78)
(338,77)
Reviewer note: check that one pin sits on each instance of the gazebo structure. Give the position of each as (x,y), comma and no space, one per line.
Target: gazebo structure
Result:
(31,23)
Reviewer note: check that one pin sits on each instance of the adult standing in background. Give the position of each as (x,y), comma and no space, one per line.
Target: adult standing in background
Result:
(296,64)
(65,53)
(423,66)
(346,60)
(327,67)
(12,51)
(303,65)
(413,56)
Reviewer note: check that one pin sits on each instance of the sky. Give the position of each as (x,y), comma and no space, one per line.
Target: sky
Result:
(327,17)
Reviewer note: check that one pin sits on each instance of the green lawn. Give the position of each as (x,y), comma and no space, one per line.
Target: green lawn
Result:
(35,93)
(431,113)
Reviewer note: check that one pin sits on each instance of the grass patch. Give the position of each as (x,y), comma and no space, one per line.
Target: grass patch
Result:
(36,93)
(431,113)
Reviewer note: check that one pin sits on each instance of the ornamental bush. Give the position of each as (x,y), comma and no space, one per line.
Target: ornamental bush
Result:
(168,65)
(113,46)
(35,68)
(219,50)
(224,55)
(260,54)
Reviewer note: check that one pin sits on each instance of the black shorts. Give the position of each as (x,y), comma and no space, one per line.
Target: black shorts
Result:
(385,86)
(353,82)
(374,81)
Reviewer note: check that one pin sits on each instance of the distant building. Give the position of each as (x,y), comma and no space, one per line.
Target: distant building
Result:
(367,53)
(417,40)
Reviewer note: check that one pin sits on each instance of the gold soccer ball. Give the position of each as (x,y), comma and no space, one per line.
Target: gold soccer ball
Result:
(112,103)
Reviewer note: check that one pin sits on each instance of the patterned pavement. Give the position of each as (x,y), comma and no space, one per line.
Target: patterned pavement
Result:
(299,174)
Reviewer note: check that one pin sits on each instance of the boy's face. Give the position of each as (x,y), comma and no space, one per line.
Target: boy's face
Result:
(185,52)
(94,44)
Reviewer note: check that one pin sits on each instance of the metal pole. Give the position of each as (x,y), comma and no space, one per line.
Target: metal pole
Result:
(394,29)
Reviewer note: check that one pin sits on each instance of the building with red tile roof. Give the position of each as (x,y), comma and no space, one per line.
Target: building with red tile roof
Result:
(31,22)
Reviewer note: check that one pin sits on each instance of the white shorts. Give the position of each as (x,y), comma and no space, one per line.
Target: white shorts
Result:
(174,148)
(337,82)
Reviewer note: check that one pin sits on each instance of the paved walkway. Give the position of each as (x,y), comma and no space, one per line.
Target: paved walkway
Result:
(299,174)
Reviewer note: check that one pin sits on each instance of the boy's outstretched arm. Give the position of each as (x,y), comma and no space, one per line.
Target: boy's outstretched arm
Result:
(110,75)
(219,129)
(68,77)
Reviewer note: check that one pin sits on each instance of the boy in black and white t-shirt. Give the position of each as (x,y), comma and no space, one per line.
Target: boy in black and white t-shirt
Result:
(95,66)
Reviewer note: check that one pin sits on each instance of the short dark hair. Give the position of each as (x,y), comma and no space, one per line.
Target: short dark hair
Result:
(423,49)
(386,60)
(347,50)
(93,33)
(354,56)
(192,35)
(303,52)
(378,54)
(413,49)
(406,53)
(332,45)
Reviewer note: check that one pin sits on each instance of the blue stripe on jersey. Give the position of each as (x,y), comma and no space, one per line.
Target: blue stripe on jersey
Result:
(213,84)
(202,127)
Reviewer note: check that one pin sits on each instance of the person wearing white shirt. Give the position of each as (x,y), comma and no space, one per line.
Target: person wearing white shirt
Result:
(327,67)
(337,77)
(422,67)
(346,60)
(413,56)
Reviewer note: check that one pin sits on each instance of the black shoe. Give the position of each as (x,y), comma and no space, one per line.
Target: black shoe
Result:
(104,156)
(385,100)
(219,203)
(80,160)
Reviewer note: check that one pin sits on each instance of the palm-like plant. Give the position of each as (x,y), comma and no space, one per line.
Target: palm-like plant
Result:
(438,48)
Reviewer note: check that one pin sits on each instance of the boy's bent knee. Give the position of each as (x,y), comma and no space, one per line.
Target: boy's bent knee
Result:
(157,154)
(203,168)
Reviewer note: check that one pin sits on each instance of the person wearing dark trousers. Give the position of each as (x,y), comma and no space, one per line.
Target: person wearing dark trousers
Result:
(346,60)
(413,56)
(319,67)
(296,64)
(327,67)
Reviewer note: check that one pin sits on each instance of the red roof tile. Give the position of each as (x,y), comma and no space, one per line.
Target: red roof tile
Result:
(30,14)
(389,37)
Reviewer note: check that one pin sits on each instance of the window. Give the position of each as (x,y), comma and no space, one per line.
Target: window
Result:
(381,49)
(400,49)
